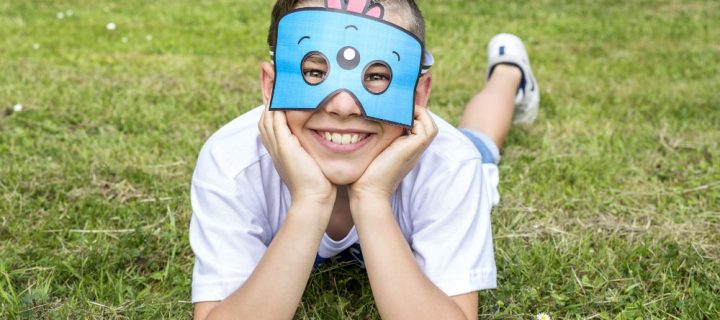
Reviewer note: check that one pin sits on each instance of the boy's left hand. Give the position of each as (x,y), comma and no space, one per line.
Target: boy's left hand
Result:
(384,174)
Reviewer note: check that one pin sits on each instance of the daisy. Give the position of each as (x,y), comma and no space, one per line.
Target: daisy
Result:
(543,316)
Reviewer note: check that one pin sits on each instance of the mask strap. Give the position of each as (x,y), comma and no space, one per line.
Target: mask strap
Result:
(427,62)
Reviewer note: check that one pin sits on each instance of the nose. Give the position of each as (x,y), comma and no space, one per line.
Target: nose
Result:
(342,104)
(348,58)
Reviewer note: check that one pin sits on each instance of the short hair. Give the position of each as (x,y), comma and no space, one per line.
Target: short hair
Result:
(407,9)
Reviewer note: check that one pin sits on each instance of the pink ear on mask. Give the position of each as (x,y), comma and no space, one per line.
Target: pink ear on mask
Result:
(334,4)
(376,11)
(357,6)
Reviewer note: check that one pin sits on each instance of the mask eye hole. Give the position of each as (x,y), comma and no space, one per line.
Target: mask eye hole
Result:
(315,68)
(377,77)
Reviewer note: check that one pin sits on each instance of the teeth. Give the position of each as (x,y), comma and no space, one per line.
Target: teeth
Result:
(343,139)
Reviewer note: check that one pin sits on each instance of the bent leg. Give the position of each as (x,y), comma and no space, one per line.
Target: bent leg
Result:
(490,112)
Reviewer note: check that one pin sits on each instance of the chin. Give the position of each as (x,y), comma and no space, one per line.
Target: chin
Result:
(343,181)
(342,177)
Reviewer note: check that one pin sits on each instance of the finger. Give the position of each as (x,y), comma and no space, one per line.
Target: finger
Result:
(280,125)
(435,128)
(269,132)
(417,111)
(261,128)
(429,124)
(420,117)
(421,122)
(418,128)
(288,143)
(267,120)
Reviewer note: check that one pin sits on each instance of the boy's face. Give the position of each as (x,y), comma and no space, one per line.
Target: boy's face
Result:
(336,134)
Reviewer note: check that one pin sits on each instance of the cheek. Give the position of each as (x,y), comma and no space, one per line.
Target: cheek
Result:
(296,120)
(391,133)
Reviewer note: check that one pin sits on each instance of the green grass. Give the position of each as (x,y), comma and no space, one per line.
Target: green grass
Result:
(611,200)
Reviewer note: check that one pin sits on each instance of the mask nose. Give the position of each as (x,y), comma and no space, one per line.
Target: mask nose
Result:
(348,58)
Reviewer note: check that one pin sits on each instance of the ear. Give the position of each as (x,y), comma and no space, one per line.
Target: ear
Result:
(267,81)
(423,89)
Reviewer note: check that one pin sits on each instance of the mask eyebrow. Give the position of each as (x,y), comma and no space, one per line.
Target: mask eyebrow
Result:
(303,38)
(397,54)
(351,26)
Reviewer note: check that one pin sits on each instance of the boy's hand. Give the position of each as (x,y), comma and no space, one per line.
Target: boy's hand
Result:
(296,167)
(384,174)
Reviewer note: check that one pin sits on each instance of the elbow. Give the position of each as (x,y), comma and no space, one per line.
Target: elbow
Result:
(208,311)
(215,314)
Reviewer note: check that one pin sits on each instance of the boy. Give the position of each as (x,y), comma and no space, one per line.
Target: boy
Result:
(285,187)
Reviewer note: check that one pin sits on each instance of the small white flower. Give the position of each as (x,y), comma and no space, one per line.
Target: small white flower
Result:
(111,26)
(36,46)
(18,107)
(60,15)
(148,37)
(69,12)
(124,39)
(543,316)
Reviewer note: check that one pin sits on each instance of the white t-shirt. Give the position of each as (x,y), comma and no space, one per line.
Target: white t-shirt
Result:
(239,202)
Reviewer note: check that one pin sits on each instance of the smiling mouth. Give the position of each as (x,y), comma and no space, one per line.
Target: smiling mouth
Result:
(343,138)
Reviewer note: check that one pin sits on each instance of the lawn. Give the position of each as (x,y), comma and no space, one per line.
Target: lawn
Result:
(611,200)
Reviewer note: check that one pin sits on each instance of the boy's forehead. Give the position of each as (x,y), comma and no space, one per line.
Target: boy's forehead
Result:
(389,16)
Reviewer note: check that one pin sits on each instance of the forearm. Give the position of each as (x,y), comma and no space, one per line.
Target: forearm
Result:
(274,289)
(400,288)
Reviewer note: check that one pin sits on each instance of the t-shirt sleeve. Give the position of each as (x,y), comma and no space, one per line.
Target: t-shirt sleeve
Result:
(452,237)
(227,232)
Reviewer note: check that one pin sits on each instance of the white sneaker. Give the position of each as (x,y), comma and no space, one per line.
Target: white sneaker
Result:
(506,48)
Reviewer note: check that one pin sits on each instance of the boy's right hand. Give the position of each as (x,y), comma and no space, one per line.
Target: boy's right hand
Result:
(296,167)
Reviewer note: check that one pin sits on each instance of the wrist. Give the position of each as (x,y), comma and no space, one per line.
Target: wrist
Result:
(367,204)
(310,210)
(319,201)
(361,195)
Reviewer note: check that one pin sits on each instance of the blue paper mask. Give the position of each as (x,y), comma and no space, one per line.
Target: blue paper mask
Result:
(350,41)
